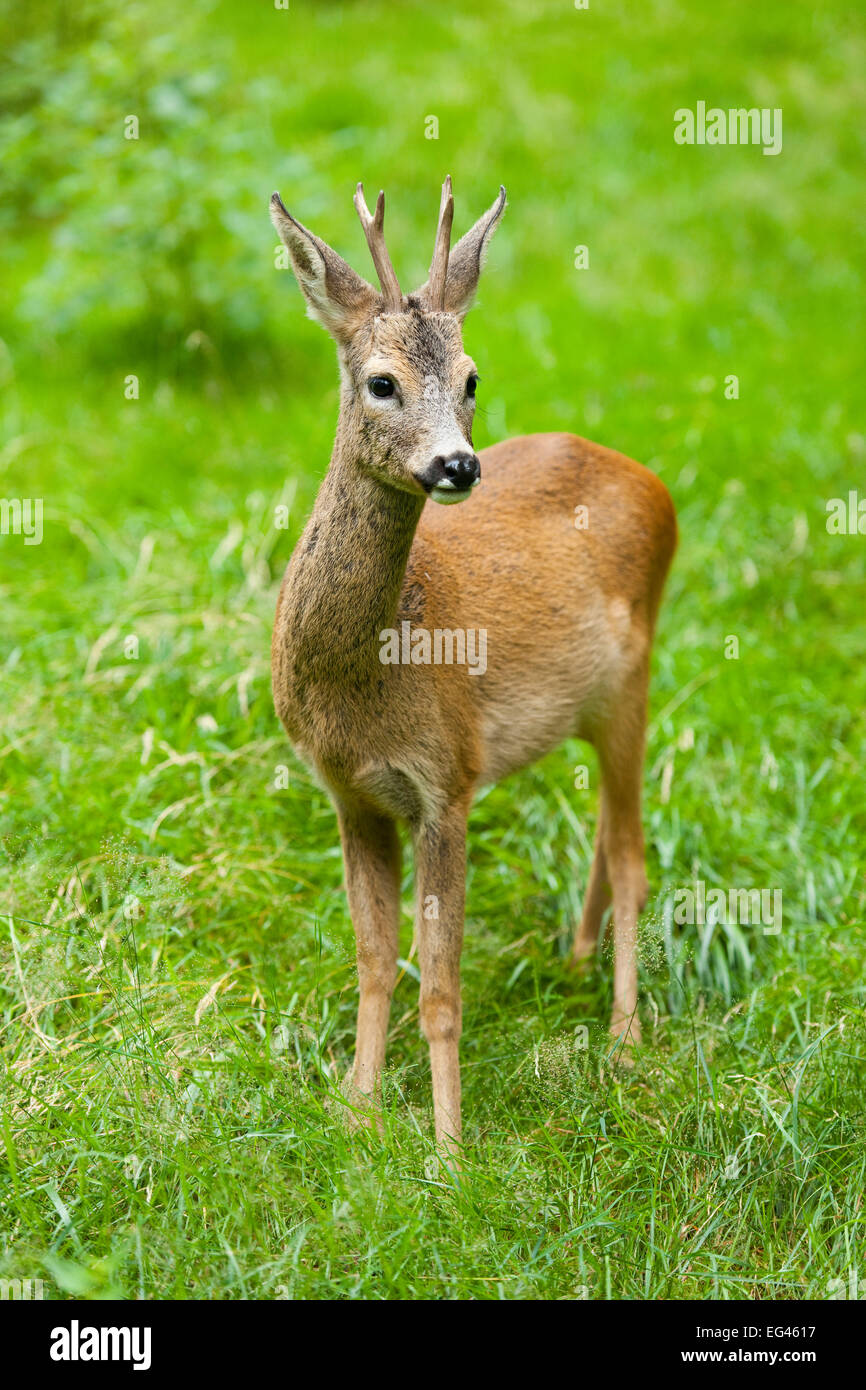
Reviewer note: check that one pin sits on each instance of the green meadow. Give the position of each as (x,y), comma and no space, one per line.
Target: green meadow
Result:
(177,981)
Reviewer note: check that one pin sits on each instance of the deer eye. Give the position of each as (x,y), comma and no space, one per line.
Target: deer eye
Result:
(472,384)
(381,386)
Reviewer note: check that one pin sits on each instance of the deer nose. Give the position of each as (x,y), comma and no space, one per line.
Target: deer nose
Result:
(461,470)
(451,477)
(451,473)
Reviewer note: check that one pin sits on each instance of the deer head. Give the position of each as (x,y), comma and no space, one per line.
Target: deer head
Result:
(408,388)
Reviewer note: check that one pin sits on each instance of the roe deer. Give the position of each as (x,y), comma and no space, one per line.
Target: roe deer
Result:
(569,615)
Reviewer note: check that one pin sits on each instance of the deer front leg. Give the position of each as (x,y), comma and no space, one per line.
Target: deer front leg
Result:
(371,857)
(440,858)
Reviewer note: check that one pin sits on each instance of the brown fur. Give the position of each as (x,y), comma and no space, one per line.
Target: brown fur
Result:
(569,615)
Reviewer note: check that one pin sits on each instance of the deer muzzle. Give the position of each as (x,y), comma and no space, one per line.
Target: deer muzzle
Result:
(452,478)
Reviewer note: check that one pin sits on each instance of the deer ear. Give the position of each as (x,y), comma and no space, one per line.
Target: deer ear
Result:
(466,260)
(336,297)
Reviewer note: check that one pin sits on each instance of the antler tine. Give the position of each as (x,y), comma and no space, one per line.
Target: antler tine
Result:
(441,250)
(374,231)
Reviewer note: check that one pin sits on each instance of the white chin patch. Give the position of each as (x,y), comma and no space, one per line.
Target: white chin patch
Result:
(447,494)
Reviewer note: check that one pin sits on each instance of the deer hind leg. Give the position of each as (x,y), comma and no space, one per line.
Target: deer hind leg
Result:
(597,898)
(621,753)
(371,857)
(440,858)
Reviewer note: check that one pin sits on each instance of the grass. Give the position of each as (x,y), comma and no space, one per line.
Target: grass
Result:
(176,967)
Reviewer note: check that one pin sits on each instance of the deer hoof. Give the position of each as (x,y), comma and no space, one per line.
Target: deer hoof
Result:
(626,1036)
(583,954)
(361,1110)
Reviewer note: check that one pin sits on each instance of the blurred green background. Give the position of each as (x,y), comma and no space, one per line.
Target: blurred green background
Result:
(177,974)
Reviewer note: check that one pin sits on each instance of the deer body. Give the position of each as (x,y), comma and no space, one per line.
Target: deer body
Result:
(568,615)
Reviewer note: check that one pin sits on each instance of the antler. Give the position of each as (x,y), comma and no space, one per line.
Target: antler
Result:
(375,234)
(441,249)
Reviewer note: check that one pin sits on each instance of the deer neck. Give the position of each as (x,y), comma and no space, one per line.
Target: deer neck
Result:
(348,571)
